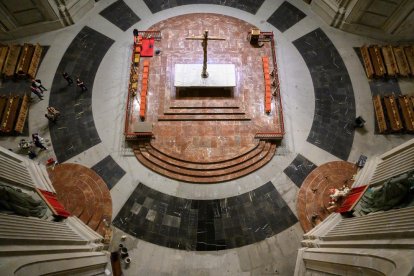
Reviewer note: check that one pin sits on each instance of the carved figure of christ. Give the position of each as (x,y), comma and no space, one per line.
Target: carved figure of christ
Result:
(204,39)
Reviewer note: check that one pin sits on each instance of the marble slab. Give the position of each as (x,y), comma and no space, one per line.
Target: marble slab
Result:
(220,75)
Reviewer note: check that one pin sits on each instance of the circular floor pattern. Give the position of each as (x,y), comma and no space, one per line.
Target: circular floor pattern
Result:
(313,197)
(83,193)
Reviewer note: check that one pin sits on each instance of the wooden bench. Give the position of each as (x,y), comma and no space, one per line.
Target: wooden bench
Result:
(402,62)
(144,88)
(25,59)
(393,114)
(377,62)
(390,62)
(407,112)
(369,69)
(379,114)
(268,92)
(11,60)
(409,53)
(3,104)
(10,114)
(34,64)
(21,119)
(3,56)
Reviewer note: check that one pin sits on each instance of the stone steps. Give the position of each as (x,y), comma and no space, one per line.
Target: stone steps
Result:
(194,173)
(204,111)
(204,165)
(204,117)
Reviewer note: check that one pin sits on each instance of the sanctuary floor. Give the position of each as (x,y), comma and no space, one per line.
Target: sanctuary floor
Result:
(245,226)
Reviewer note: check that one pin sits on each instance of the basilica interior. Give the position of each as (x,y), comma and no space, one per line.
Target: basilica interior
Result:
(153,137)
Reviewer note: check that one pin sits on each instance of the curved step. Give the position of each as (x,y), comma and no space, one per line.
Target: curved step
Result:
(83,193)
(266,156)
(218,171)
(172,155)
(205,166)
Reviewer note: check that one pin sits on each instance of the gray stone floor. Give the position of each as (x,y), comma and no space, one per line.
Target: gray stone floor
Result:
(108,80)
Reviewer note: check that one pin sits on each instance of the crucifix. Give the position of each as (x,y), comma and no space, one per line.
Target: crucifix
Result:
(204,38)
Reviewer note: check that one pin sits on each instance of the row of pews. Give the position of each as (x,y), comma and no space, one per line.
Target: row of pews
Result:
(144,90)
(268,91)
(394,114)
(388,61)
(22,61)
(13,113)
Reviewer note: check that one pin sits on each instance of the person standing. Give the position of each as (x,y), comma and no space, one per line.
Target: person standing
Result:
(68,78)
(81,84)
(38,83)
(53,111)
(51,117)
(37,91)
(37,140)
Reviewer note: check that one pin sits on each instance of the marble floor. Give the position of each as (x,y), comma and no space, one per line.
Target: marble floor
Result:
(244,226)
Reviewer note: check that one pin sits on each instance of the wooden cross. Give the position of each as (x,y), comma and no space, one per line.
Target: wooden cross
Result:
(204,38)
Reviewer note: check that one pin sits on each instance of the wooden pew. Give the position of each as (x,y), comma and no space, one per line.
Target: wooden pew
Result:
(268,92)
(377,62)
(10,114)
(390,62)
(34,64)
(402,62)
(3,56)
(409,53)
(21,119)
(393,114)
(407,112)
(11,60)
(25,59)
(369,69)
(379,114)
(3,104)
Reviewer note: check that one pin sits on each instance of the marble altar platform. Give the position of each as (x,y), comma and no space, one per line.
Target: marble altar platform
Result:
(220,75)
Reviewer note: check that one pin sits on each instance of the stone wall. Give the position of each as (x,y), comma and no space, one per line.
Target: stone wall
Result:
(37,246)
(383,20)
(28,17)
(381,243)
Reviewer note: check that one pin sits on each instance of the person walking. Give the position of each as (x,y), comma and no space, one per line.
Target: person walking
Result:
(37,91)
(81,84)
(37,140)
(38,83)
(68,78)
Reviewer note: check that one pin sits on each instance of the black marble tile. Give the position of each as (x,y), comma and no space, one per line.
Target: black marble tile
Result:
(204,225)
(75,130)
(250,6)
(332,128)
(286,16)
(299,169)
(110,171)
(120,14)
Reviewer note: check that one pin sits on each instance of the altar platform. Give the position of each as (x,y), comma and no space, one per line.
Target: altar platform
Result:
(206,135)
(219,75)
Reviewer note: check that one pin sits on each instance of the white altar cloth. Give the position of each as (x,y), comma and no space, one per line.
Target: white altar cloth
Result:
(220,75)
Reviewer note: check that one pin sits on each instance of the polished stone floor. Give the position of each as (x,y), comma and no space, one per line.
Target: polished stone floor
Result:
(312,59)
